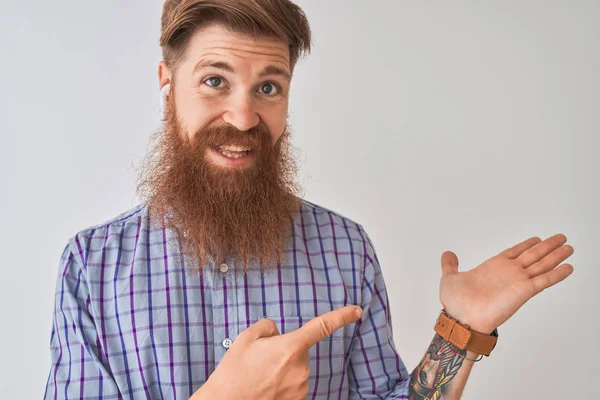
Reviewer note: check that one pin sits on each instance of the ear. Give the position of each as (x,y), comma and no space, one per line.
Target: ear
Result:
(164,82)
(164,75)
(163,98)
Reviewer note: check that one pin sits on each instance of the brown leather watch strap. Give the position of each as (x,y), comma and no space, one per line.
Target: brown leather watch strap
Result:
(463,337)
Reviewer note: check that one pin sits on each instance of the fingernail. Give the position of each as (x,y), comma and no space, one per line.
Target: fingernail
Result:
(358,312)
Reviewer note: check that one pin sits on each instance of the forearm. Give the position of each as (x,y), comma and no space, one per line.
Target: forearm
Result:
(442,373)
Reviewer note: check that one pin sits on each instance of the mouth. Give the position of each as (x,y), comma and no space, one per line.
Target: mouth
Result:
(233,152)
(231,155)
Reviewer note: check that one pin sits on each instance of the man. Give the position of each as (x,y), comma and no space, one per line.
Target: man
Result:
(223,283)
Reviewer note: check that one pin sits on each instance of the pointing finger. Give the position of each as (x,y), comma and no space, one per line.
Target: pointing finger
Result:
(324,325)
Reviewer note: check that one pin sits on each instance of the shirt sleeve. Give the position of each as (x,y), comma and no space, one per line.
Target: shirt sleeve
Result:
(77,369)
(376,370)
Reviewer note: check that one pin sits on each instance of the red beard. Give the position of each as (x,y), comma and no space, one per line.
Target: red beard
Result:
(242,213)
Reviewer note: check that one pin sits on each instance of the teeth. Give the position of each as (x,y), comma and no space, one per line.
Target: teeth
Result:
(233,155)
(230,154)
(234,148)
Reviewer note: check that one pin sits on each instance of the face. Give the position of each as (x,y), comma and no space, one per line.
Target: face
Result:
(221,173)
(230,79)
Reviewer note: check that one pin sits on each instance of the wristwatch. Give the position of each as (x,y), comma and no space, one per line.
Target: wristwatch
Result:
(463,337)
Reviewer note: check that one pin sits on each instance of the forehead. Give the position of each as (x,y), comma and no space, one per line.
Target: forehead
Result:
(214,41)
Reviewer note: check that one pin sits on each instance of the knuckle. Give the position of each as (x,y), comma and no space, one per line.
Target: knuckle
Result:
(291,352)
(538,285)
(305,373)
(526,257)
(522,260)
(270,324)
(326,327)
(245,335)
(289,355)
(295,351)
(304,390)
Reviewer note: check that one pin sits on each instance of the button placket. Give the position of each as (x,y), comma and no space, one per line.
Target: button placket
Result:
(231,306)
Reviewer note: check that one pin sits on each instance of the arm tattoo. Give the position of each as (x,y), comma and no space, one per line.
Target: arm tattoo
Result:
(437,368)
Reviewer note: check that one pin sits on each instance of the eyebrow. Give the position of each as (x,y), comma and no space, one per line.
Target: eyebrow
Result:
(269,70)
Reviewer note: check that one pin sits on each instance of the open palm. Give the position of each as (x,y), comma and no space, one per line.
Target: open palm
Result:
(486,296)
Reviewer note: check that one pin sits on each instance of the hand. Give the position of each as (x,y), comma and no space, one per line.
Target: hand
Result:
(263,364)
(486,296)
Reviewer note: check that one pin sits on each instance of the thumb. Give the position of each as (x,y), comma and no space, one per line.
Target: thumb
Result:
(449,264)
(262,329)
(324,325)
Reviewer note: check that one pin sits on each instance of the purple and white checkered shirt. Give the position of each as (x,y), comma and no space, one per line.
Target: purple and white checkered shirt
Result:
(131,321)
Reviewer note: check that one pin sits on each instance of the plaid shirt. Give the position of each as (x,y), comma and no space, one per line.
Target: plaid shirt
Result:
(131,321)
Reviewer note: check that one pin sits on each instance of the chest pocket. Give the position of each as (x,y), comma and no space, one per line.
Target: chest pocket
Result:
(327,366)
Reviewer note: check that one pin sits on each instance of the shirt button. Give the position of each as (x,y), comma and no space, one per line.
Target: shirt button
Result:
(227,343)
(224,268)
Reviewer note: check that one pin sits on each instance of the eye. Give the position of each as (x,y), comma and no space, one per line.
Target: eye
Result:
(269,88)
(214,81)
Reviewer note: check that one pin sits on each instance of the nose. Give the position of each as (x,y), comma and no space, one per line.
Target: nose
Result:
(241,114)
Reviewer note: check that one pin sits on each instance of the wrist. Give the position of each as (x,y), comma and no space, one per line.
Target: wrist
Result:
(479,327)
(473,355)
(474,323)
(464,336)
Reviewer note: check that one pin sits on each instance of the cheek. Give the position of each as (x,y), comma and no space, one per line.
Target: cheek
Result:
(194,114)
(277,126)
(275,135)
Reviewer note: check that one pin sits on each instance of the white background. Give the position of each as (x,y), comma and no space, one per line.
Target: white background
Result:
(464,126)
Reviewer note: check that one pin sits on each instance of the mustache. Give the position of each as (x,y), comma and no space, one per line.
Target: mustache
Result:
(256,138)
